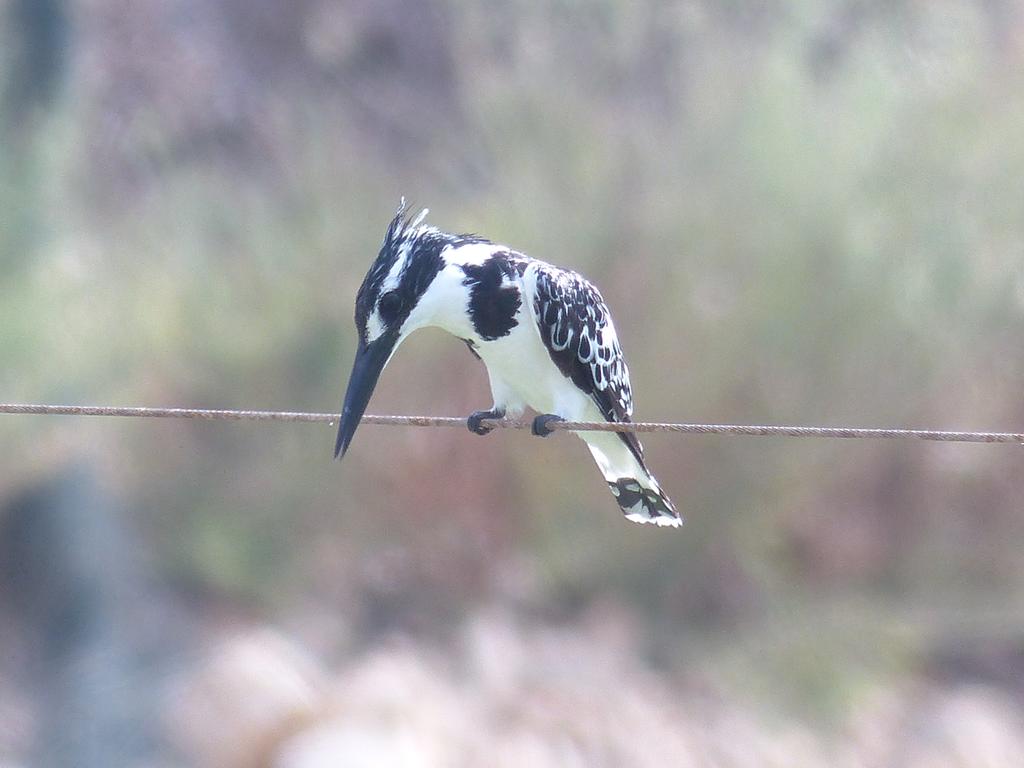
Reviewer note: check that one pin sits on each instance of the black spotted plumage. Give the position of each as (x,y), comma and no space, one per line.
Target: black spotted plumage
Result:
(628,492)
(577,330)
(494,296)
(482,293)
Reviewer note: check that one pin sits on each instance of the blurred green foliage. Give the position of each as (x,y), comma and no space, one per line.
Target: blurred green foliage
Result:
(798,212)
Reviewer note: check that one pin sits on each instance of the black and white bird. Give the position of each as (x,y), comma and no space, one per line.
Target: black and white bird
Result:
(544,333)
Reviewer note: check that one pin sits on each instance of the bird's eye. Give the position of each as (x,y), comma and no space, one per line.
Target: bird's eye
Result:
(389,306)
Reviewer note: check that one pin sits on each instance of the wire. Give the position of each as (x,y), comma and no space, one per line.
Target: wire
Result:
(577,426)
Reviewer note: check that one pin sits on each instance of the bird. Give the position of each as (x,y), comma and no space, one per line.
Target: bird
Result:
(544,334)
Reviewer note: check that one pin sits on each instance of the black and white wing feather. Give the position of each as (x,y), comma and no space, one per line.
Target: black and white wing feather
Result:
(577,330)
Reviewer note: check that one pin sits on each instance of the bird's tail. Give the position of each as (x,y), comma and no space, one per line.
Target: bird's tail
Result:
(632,484)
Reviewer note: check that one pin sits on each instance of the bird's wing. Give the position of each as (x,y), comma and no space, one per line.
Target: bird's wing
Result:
(577,330)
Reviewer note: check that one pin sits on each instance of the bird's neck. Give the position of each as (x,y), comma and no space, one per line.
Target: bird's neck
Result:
(446,304)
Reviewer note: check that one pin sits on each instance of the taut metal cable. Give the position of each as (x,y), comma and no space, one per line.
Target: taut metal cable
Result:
(578,426)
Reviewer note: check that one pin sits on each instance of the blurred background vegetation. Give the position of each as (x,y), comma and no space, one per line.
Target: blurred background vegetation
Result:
(799,212)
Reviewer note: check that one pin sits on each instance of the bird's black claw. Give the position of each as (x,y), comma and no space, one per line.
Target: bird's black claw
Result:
(540,424)
(473,421)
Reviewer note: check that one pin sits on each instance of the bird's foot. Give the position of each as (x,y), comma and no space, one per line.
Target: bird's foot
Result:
(475,419)
(540,424)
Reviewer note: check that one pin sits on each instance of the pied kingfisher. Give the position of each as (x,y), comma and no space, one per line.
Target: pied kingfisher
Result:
(544,334)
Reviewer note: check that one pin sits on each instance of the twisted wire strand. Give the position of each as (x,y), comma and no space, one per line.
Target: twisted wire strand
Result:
(849,433)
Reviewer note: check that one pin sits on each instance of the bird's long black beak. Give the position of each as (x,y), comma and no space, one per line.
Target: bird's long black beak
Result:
(370,361)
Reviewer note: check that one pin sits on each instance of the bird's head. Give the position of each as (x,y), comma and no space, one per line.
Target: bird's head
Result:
(392,302)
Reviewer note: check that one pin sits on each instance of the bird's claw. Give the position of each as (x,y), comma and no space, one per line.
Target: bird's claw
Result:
(475,420)
(540,424)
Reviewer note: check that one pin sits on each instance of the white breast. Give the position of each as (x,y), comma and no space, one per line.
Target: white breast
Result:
(521,363)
